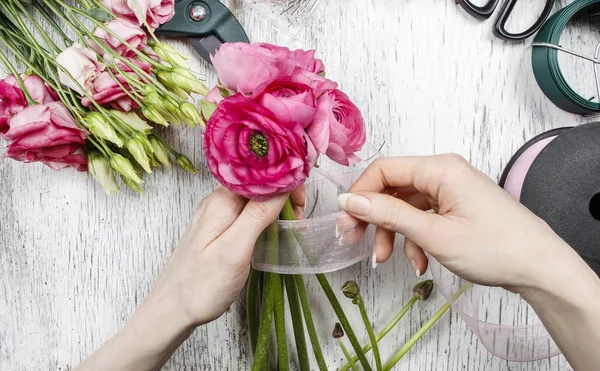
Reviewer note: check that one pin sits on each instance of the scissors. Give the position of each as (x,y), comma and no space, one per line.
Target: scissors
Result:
(485,11)
(206,23)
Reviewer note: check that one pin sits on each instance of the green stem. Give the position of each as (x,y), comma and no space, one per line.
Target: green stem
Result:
(297,322)
(251,306)
(66,40)
(385,330)
(20,82)
(343,320)
(369,327)
(41,31)
(310,325)
(347,355)
(268,302)
(282,350)
(416,337)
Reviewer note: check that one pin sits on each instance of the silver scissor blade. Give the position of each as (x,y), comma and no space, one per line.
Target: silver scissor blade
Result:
(205,46)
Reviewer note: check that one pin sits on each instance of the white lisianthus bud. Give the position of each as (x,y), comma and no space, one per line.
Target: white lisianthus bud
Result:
(186,164)
(100,169)
(190,114)
(153,115)
(187,81)
(100,127)
(160,151)
(133,121)
(122,166)
(170,55)
(137,150)
(132,185)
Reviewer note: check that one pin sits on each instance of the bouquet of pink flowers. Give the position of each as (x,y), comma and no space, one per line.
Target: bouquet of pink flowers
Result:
(91,101)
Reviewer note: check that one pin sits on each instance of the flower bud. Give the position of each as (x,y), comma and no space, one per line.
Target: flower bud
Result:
(338,331)
(186,164)
(100,127)
(190,114)
(132,185)
(350,289)
(423,289)
(187,81)
(153,115)
(137,150)
(100,169)
(152,99)
(160,151)
(122,166)
(132,120)
(170,55)
(173,108)
(168,117)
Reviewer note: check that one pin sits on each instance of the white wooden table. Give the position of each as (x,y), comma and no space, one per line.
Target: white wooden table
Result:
(429,79)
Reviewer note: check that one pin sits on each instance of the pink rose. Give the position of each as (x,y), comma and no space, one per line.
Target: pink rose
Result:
(12,99)
(338,129)
(105,90)
(243,67)
(251,152)
(155,12)
(46,133)
(134,35)
(289,101)
(305,59)
(83,66)
(318,83)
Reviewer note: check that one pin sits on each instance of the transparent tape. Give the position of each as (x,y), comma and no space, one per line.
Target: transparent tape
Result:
(327,240)
(503,322)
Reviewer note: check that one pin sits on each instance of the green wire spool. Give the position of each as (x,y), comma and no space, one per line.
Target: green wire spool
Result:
(546,68)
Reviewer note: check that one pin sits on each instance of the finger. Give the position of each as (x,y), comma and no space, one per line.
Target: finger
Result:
(390,213)
(214,215)
(298,197)
(384,244)
(254,219)
(415,256)
(425,174)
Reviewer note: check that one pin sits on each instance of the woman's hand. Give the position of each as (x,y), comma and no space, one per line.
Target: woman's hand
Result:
(205,274)
(480,233)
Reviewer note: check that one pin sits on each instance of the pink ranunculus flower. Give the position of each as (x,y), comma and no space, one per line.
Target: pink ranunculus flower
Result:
(289,101)
(12,99)
(83,66)
(155,12)
(251,152)
(133,35)
(243,67)
(305,59)
(318,83)
(106,91)
(46,133)
(338,130)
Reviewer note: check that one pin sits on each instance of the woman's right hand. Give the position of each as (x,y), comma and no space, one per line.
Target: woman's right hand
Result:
(478,231)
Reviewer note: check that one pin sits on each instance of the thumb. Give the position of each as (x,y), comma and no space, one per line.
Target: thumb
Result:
(254,219)
(390,213)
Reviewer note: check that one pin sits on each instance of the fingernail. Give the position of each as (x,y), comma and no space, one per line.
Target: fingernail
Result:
(354,204)
(416,269)
(337,231)
(374,260)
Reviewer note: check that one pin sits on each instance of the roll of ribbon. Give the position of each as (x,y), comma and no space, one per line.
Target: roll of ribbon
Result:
(545,59)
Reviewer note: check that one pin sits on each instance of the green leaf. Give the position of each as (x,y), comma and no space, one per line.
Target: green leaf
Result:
(99,14)
(26,2)
(208,108)
(224,92)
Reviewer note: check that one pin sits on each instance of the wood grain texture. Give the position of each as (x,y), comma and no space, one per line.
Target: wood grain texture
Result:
(429,79)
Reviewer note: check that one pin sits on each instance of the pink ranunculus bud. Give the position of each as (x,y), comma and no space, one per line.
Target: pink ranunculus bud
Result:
(251,152)
(318,83)
(289,101)
(243,67)
(155,12)
(81,64)
(132,34)
(305,59)
(338,130)
(46,133)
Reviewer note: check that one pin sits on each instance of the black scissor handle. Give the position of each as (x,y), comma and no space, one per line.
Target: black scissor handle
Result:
(507,8)
(480,12)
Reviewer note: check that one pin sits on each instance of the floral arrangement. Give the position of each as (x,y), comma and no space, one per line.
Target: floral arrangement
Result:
(91,102)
